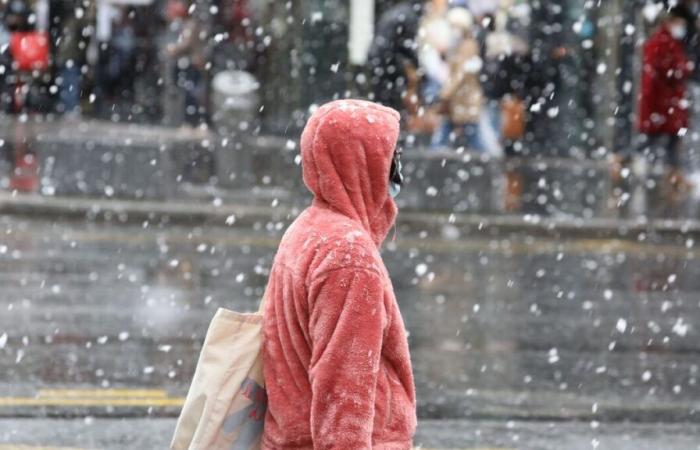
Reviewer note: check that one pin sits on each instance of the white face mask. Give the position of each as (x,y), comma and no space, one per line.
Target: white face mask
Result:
(394,189)
(396,176)
(678,31)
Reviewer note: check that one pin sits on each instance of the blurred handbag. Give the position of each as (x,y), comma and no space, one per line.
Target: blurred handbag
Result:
(30,50)
(226,404)
(513,117)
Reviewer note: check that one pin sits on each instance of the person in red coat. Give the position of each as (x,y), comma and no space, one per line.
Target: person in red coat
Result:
(335,351)
(663,106)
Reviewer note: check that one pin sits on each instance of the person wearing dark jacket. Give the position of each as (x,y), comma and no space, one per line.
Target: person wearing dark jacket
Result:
(392,53)
(663,106)
(192,53)
(69,59)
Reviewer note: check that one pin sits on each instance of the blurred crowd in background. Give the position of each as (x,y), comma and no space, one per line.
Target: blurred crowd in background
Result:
(121,60)
(505,78)
(469,79)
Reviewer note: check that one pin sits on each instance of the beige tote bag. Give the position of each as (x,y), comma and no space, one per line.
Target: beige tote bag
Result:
(225,406)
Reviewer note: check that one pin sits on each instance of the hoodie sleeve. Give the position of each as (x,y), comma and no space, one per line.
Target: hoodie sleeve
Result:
(346,328)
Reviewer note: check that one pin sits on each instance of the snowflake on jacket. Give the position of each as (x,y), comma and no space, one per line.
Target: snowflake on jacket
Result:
(336,360)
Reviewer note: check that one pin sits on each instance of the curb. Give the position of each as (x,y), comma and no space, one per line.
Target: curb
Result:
(239,214)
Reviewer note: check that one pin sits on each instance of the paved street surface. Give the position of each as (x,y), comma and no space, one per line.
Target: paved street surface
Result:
(518,341)
(117,434)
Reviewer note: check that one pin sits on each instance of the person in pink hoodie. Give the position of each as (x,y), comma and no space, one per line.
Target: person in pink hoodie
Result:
(335,353)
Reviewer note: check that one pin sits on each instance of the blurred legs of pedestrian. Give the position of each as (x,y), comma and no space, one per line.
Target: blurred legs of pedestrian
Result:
(494,119)
(70,89)
(514,189)
(108,87)
(511,123)
(666,149)
(442,135)
(514,183)
(6,87)
(470,137)
(191,81)
(465,135)
(661,186)
(495,111)
(619,172)
(6,96)
(490,135)
(430,91)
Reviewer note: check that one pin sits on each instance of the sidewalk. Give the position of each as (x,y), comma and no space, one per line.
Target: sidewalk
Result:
(245,214)
(79,129)
(139,171)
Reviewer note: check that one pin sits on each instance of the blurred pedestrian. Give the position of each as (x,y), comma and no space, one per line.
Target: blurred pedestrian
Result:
(5,66)
(493,48)
(17,15)
(191,51)
(499,49)
(116,60)
(122,55)
(663,104)
(29,50)
(173,98)
(462,95)
(335,353)
(392,58)
(504,75)
(70,57)
(434,40)
(98,56)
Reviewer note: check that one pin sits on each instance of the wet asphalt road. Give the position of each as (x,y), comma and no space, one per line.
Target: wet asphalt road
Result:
(506,331)
(133,433)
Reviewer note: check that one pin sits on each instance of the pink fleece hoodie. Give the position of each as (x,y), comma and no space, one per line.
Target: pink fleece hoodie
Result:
(336,362)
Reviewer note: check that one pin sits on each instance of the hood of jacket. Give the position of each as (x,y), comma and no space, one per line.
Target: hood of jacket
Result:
(346,148)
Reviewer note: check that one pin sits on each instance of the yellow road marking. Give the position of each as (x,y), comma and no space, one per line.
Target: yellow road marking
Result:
(95,397)
(87,401)
(33,447)
(131,393)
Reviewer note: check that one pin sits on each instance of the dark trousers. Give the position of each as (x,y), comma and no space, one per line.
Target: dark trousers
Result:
(191,81)
(70,88)
(664,147)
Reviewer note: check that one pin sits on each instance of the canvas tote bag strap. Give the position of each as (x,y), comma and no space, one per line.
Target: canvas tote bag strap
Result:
(263,300)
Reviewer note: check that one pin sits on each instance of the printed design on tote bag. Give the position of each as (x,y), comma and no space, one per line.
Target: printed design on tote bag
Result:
(248,421)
